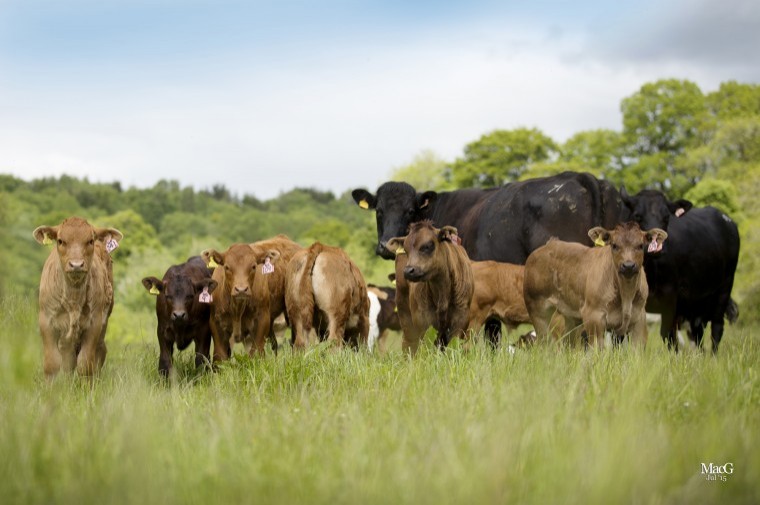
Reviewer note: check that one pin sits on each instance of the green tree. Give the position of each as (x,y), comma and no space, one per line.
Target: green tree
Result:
(719,193)
(501,156)
(734,100)
(598,151)
(660,122)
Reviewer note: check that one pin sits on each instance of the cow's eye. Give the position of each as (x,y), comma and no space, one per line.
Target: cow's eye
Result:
(91,242)
(410,212)
(60,242)
(615,247)
(427,248)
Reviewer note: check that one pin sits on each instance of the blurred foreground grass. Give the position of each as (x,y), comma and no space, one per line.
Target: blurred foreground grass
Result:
(540,426)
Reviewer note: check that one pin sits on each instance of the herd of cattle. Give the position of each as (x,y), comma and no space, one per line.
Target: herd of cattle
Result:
(569,254)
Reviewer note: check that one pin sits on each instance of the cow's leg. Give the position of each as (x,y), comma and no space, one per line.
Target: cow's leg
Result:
(260,333)
(202,349)
(716,331)
(493,332)
(363,330)
(593,323)
(222,349)
(668,329)
(336,328)
(165,351)
(696,331)
(541,313)
(638,332)
(92,346)
(51,359)
(273,340)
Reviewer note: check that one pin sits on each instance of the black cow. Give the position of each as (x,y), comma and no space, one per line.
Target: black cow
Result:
(182,317)
(501,224)
(691,278)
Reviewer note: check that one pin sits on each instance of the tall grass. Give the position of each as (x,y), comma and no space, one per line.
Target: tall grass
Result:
(539,426)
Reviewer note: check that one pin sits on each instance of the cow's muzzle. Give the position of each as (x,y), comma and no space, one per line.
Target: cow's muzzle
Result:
(383,251)
(628,269)
(413,274)
(179,316)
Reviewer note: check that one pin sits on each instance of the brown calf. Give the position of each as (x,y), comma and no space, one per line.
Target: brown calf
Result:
(603,287)
(498,295)
(76,295)
(240,309)
(326,292)
(434,284)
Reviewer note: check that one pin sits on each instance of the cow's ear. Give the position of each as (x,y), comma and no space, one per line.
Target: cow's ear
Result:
(364,199)
(212,257)
(448,234)
(272,254)
(153,285)
(45,234)
(211,284)
(680,207)
(656,235)
(599,236)
(104,234)
(396,245)
(425,199)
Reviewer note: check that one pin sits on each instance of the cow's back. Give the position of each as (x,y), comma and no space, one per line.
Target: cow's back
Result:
(523,216)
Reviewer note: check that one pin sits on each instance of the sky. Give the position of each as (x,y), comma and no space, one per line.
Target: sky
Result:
(332,94)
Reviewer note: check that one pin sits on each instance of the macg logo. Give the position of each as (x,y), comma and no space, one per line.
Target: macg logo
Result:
(717,472)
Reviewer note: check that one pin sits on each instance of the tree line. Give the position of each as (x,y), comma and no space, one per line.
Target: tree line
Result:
(701,146)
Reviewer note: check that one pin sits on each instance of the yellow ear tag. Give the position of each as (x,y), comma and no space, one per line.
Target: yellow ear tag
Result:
(363,204)
(212,263)
(393,282)
(154,290)
(46,240)
(400,250)
(599,242)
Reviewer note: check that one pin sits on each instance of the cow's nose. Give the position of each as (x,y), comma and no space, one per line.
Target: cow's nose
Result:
(629,268)
(383,251)
(241,290)
(179,315)
(412,273)
(76,264)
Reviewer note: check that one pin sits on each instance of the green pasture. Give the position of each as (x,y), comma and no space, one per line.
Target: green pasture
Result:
(539,426)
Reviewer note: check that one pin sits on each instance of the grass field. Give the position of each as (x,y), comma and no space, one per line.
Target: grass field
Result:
(539,426)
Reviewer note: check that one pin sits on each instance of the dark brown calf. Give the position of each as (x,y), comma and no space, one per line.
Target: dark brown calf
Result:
(182,315)
(434,284)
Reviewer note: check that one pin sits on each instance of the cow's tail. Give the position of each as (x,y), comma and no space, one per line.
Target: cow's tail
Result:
(306,287)
(732,311)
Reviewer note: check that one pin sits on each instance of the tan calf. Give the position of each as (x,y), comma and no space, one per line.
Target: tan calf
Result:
(434,284)
(76,295)
(326,292)
(498,294)
(603,287)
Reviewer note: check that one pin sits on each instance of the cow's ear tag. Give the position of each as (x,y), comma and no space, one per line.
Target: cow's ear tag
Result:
(46,239)
(599,242)
(679,212)
(154,290)
(211,263)
(395,309)
(400,250)
(111,244)
(654,246)
(363,204)
(267,267)
(393,282)
(205,296)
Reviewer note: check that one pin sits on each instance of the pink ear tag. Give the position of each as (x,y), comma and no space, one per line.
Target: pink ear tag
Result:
(111,244)
(679,212)
(654,246)
(267,267)
(455,239)
(205,296)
